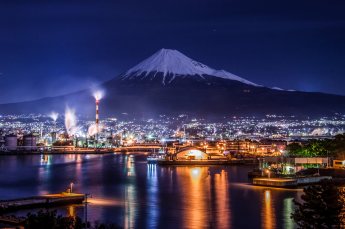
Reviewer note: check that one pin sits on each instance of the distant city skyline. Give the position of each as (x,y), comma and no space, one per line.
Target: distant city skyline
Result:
(53,48)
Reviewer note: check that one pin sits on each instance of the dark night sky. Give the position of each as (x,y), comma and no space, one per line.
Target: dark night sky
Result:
(49,48)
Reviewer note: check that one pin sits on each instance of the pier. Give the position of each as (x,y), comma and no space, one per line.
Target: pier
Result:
(288,182)
(11,220)
(41,201)
(208,162)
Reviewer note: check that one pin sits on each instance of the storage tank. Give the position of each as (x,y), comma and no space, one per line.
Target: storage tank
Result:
(29,142)
(53,134)
(11,142)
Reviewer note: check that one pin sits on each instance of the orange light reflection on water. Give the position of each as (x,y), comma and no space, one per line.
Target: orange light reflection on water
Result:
(222,200)
(199,191)
(194,183)
(130,195)
(105,202)
(71,211)
(268,215)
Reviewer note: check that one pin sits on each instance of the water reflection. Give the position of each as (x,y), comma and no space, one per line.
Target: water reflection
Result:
(46,159)
(268,211)
(130,194)
(78,167)
(44,173)
(71,211)
(288,209)
(205,197)
(152,192)
(222,201)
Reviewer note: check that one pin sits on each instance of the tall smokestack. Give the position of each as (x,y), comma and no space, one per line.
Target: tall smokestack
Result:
(97,119)
(98,96)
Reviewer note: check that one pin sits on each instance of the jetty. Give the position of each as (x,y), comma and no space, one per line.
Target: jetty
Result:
(45,201)
(288,182)
(11,220)
(207,162)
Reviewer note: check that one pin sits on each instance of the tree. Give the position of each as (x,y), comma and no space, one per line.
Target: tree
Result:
(294,149)
(322,206)
(337,146)
(315,148)
(50,219)
(105,226)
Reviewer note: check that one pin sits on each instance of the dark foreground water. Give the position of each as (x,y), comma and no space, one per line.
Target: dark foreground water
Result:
(132,194)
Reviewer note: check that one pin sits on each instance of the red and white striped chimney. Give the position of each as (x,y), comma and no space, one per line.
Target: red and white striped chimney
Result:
(97,114)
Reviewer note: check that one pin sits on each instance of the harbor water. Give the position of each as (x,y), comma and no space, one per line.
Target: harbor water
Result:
(130,193)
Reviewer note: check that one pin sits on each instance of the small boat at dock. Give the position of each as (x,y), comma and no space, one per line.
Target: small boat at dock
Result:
(153,159)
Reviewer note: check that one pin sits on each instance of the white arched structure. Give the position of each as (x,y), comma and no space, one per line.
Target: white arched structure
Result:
(191,154)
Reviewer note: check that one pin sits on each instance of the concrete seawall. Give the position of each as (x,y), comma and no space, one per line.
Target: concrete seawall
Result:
(41,201)
(288,182)
(207,162)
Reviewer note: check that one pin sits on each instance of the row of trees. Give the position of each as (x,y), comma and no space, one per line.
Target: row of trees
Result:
(50,219)
(319,148)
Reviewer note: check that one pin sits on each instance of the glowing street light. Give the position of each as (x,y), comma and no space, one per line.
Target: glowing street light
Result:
(205,146)
(71,187)
(268,173)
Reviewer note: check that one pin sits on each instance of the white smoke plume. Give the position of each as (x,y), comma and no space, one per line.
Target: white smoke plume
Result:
(70,121)
(53,115)
(93,129)
(98,94)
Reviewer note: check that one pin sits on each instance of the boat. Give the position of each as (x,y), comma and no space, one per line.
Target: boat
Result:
(153,159)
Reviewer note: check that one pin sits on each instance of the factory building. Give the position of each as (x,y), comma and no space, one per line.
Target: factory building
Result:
(11,142)
(29,142)
(2,141)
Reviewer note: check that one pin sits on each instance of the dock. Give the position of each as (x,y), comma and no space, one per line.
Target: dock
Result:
(11,220)
(275,182)
(46,201)
(81,152)
(288,182)
(206,162)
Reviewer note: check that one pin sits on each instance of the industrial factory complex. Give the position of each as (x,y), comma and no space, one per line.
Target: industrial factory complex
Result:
(235,136)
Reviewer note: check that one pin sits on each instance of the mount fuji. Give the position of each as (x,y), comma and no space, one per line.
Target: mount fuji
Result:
(172,64)
(168,82)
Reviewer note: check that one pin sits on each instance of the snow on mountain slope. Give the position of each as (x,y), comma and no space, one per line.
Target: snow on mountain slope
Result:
(173,63)
(277,88)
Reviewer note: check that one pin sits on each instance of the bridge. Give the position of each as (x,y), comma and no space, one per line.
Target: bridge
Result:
(155,147)
(145,147)
(189,148)
(191,153)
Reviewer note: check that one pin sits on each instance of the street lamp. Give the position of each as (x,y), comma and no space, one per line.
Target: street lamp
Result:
(71,187)
(268,173)
(205,146)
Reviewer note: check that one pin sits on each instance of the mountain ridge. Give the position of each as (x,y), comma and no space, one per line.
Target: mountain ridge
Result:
(174,63)
(141,91)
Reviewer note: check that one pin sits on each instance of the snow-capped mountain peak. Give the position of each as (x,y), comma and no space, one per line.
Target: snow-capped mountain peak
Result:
(173,63)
